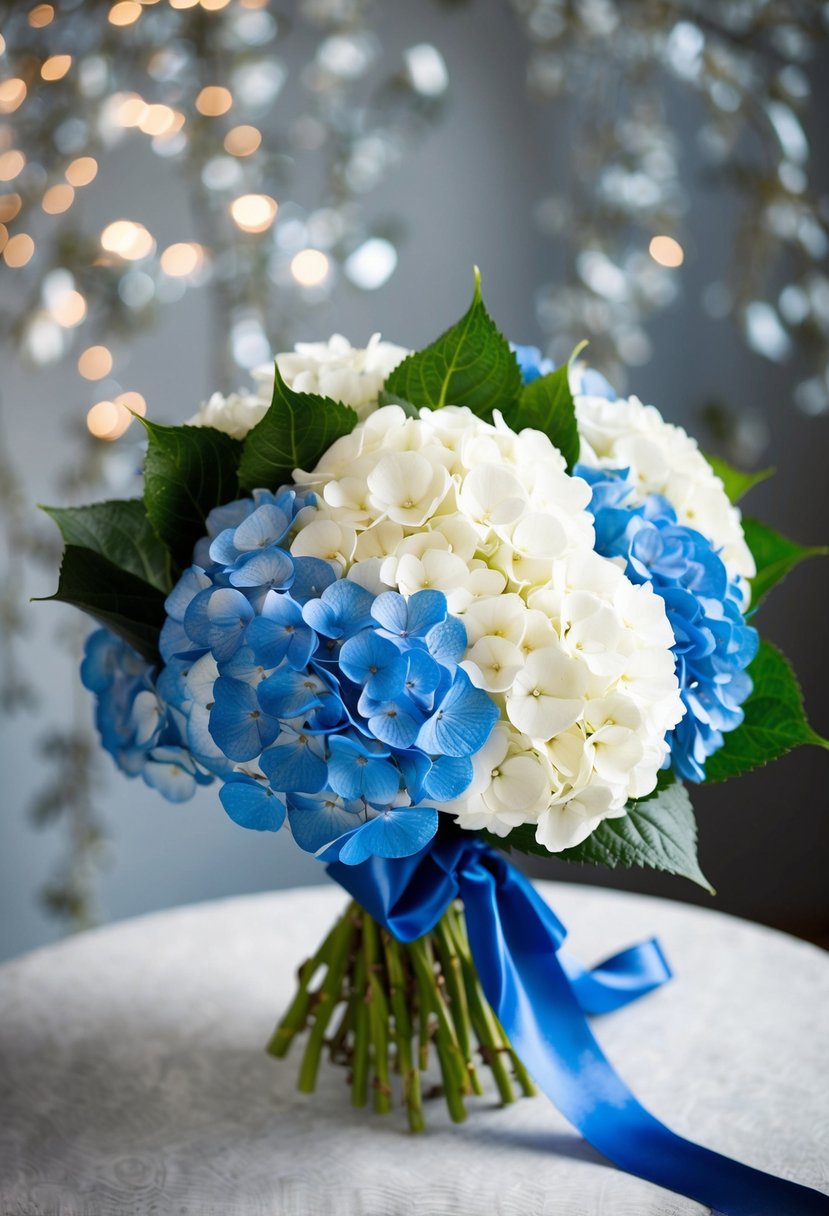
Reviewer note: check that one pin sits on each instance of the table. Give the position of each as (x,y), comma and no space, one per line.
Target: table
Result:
(133,1080)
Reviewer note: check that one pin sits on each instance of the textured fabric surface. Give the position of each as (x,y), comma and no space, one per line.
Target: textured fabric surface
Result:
(133,1080)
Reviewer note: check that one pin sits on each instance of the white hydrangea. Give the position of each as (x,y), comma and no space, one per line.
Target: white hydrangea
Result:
(663,459)
(577,658)
(336,369)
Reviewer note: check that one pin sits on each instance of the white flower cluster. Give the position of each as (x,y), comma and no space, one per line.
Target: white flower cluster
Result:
(663,459)
(335,369)
(577,658)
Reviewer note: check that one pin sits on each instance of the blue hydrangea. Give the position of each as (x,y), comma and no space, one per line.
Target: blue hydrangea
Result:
(714,645)
(137,727)
(312,697)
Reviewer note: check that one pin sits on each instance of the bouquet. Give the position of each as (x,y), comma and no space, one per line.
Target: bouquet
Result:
(424,609)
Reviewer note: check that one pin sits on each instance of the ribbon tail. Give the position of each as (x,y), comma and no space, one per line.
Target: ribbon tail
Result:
(525,983)
(618,980)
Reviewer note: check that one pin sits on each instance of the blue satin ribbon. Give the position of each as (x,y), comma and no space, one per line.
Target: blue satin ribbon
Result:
(541,999)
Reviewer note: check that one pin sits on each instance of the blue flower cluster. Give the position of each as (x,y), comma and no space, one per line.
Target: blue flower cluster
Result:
(349,709)
(137,728)
(713,643)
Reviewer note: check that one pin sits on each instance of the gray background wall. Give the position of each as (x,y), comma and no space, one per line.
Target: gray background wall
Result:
(467,194)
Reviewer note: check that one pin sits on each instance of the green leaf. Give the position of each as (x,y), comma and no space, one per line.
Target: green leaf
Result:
(737,482)
(116,598)
(775,720)
(119,531)
(471,364)
(658,831)
(188,471)
(546,404)
(295,432)
(774,556)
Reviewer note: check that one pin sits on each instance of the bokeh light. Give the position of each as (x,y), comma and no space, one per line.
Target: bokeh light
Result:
(309,267)
(253,212)
(19,250)
(242,140)
(58,199)
(82,171)
(128,239)
(666,251)
(214,100)
(56,67)
(181,259)
(95,362)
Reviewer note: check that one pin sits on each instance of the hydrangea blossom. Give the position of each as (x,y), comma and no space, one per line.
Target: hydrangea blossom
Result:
(333,369)
(307,692)
(713,645)
(576,658)
(622,433)
(137,727)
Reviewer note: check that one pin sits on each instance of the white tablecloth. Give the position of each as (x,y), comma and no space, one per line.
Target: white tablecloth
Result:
(133,1080)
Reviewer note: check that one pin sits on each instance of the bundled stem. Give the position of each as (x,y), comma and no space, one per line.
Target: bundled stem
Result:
(394,1002)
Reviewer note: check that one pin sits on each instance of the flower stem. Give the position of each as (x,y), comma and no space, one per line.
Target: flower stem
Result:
(296,1017)
(456,991)
(403,1033)
(327,998)
(359,1062)
(378,1015)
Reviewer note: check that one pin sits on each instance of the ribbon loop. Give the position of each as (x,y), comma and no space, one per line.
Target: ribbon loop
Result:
(541,996)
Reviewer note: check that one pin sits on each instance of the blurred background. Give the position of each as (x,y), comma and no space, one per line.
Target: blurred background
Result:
(187,186)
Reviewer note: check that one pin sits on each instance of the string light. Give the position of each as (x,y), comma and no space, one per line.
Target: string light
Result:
(253,212)
(213,6)
(128,239)
(666,251)
(158,120)
(95,362)
(69,309)
(309,267)
(56,67)
(11,165)
(214,100)
(41,16)
(132,401)
(180,260)
(9,206)
(242,140)
(4,236)
(103,420)
(58,199)
(131,111)
(125,12)
(19,250)
(12,94)
(82,171)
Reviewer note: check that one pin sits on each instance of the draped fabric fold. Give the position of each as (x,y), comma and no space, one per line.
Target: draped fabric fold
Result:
(541,998)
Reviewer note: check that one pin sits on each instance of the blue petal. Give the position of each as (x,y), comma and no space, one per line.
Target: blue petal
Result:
(448,777)
(228,613)
(281,633)
(272,568)
(311,577)
(291,694)
(374,663)
(343,609)
(170,771)
(191,582)
(264,527)
(395,724)
(394,833)
(237,722)
(252,804)
(447,641)
(409,618)
(294,765)
(316,821)
(462,722)
(355,772)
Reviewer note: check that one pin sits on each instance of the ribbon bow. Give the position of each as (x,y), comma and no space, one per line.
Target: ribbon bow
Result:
(541,998)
